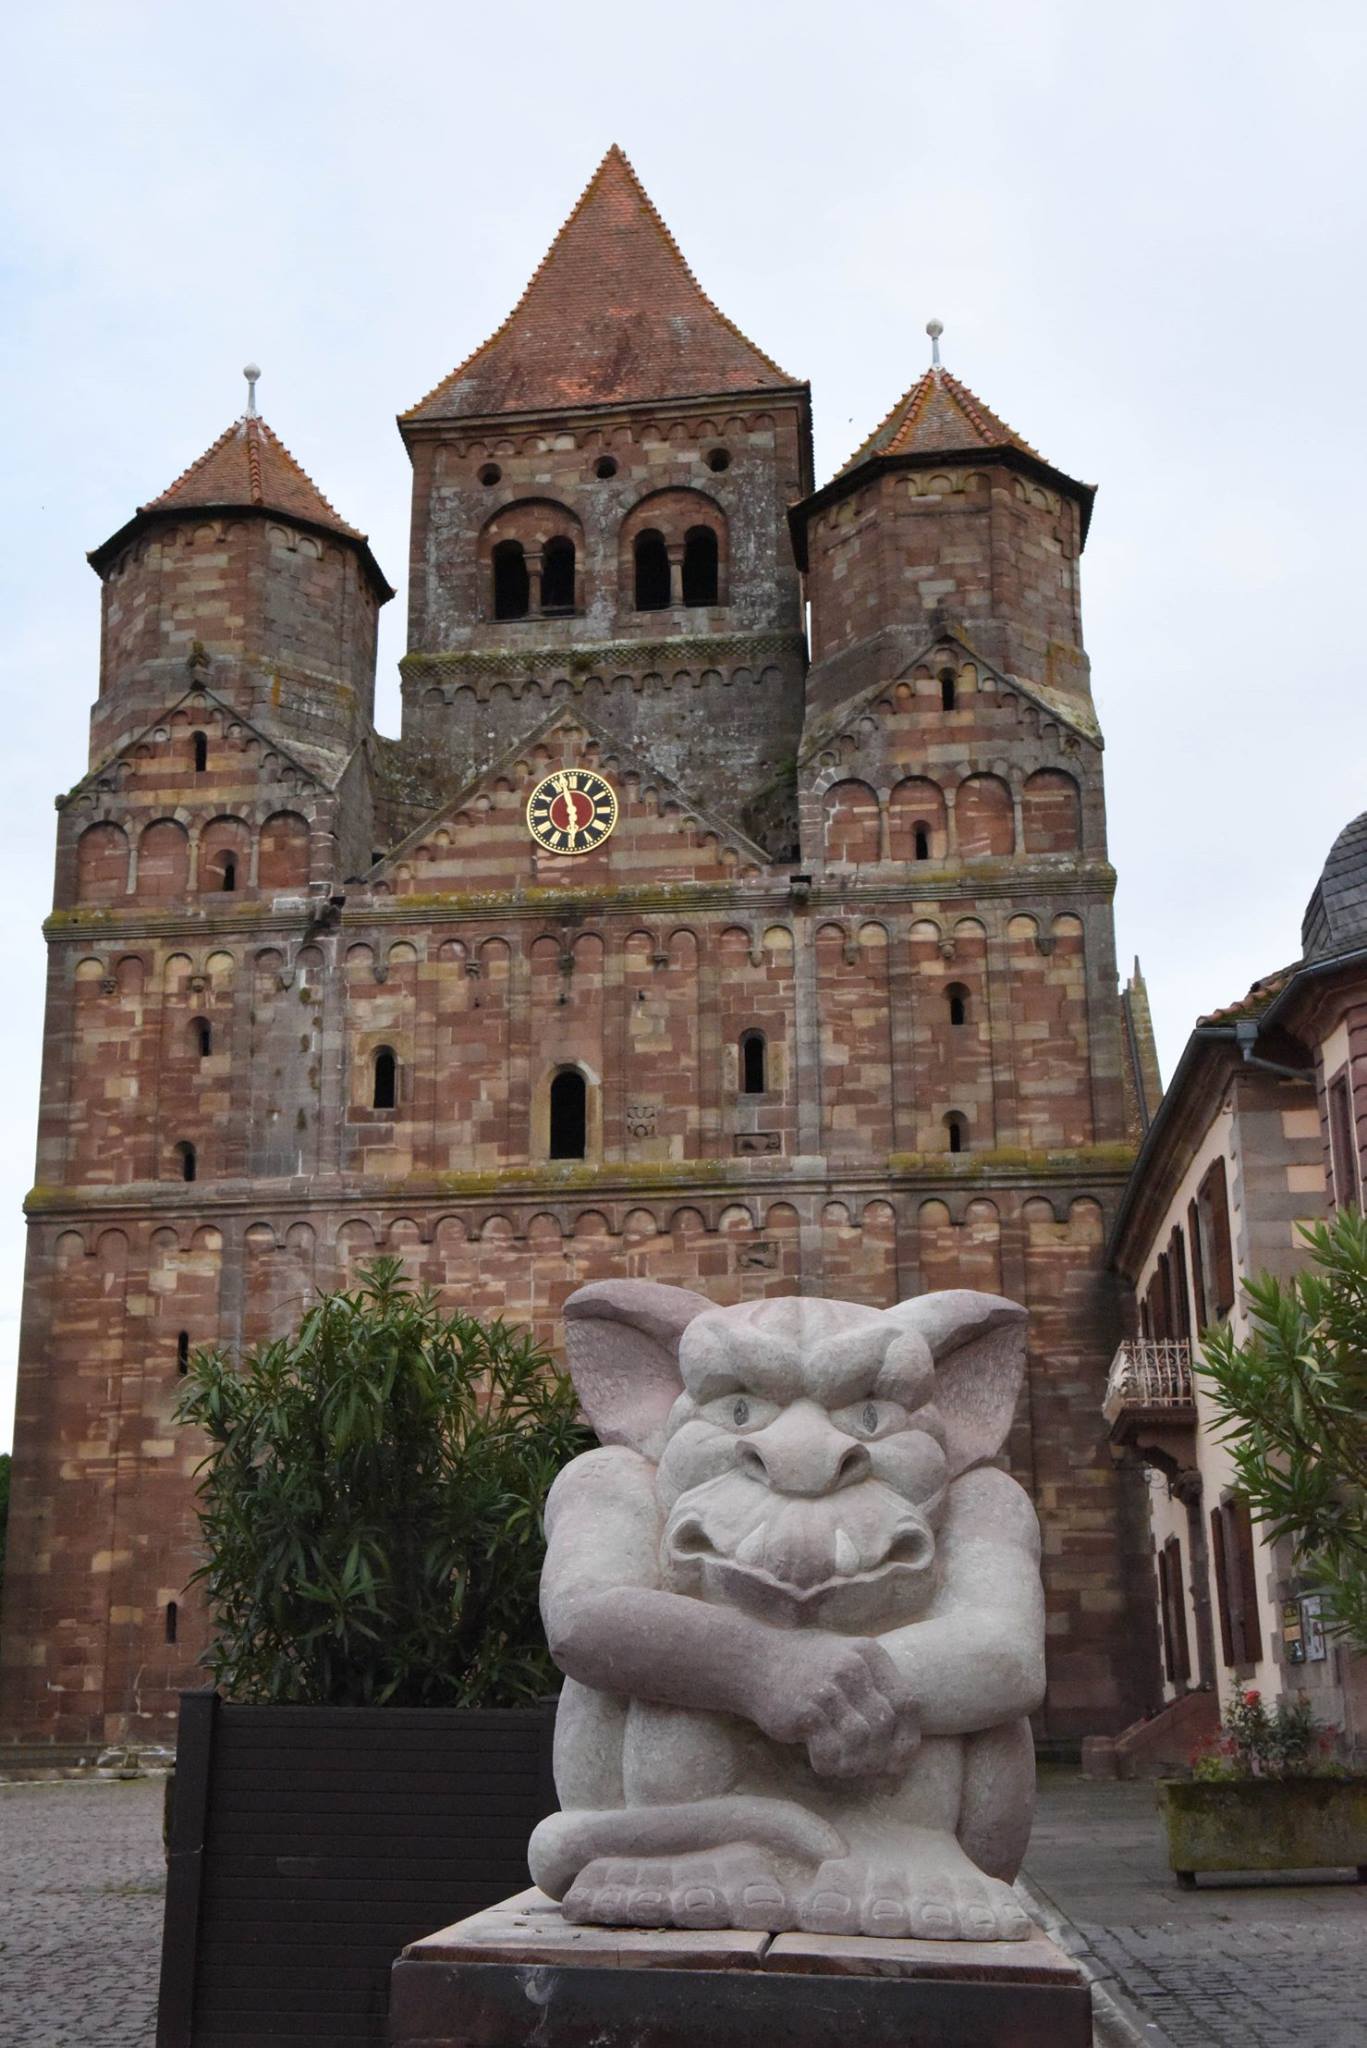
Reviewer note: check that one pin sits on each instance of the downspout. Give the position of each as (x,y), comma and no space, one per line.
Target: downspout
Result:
(1245,1036)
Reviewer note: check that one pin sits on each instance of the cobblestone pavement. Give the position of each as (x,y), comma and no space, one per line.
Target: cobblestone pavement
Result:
(1243,1963)
(1237,1965)
(81,1879)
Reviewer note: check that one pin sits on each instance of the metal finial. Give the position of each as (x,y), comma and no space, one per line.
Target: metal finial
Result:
(251,373)
(935,328)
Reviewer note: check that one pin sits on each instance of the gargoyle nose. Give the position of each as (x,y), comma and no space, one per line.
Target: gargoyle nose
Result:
(802,1452)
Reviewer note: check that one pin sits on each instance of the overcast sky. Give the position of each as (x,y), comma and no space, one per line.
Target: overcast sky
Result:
(1141,226)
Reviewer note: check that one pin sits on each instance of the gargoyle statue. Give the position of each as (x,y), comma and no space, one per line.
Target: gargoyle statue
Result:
(799,1614)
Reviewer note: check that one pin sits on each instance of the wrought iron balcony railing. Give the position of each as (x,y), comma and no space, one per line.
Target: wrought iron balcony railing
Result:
(1148,1375)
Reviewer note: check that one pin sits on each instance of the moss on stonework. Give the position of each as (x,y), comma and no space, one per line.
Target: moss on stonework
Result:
(552,1175)
(461,903)
(1016,1159)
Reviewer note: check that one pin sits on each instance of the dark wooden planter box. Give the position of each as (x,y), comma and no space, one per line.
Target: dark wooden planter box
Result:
(308,1845)
(1265,1824)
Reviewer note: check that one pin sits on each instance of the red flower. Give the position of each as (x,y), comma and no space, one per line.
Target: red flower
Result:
(1251,1699)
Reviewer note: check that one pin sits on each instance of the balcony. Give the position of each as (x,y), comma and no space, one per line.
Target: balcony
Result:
(1150,1404)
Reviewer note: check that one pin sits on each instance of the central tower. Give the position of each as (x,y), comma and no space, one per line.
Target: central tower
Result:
(599,503)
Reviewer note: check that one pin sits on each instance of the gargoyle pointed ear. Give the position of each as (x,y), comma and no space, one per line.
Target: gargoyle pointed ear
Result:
(622,1340)
(978,1344)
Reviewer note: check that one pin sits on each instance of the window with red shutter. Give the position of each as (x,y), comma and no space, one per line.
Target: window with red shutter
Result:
(1181,1300)
(1179,1663)
(1245,1556)
(1198,1275)
(1217,1552)
(1214,1201)
(1343,1141)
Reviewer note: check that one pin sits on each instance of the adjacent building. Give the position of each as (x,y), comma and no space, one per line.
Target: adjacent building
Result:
(1263,1128)
(797,975)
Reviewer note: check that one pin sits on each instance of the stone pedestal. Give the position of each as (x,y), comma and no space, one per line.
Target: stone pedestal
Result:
(517,1976)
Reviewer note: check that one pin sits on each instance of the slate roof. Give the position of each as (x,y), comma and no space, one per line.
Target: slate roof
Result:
(249,465)
(613,314)
(1336,916)
(938,413)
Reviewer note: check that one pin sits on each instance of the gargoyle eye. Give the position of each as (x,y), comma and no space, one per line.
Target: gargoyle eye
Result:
(868,1415)
(740,1413)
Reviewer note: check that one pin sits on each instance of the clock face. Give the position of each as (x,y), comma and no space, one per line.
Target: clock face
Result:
(571,811)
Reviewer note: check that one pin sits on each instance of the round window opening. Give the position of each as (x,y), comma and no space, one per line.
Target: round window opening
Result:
(490,474)
(605,466)
(718,459)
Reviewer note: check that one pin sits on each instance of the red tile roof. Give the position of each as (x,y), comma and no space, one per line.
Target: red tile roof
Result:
(613,314)
(1256,1001)
(248,465)
(938,413)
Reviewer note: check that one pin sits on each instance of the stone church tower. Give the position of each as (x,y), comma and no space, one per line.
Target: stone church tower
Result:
(831,1008)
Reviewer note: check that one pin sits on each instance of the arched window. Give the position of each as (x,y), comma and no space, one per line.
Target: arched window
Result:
(569,1115)
(948,689)
(385,1093)
(202,1037)
(921,841)
(200,743)
(182,1352)
(753,1061)
(652,572)
(956,1127)
(227,871)
(189,1165)
(956,995)
(557,575)
(700,566)
(512,590)
(172,1620)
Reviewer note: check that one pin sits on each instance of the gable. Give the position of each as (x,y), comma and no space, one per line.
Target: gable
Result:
(479,842)
(159,766)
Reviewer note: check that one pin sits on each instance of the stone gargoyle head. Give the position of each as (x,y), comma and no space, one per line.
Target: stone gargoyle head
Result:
(803,1448)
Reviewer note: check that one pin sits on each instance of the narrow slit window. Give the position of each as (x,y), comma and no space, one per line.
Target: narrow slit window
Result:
(385,1093)
(957,996)
(652,572)
(557,576)
(753,1061)
(700,566)
(200,743)
(512,586)
(183,1352)
(949,690)
(921,840)
(187,1161)
(569,1115)
(956,1128)
(201,1032)
(172,1620)
(228,872)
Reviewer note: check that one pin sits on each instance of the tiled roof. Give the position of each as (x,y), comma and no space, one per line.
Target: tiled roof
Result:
(613,314)
(1336,915)
(1258,999)
(937,413)
(248,465)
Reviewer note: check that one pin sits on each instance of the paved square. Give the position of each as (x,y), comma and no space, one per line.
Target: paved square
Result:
(1246,1963)
(81,1877)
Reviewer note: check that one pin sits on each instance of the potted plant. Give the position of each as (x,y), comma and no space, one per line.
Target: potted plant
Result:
(373,1752)
(1267,1793)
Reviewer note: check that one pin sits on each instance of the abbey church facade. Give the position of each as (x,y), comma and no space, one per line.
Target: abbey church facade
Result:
(670,939)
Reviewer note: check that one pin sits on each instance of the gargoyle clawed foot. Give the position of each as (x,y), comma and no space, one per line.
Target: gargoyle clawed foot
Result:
(735,1887)
(926,1900)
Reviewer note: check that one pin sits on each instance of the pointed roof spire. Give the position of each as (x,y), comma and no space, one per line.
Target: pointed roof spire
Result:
(249,465)
(612,314)
(938,413)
